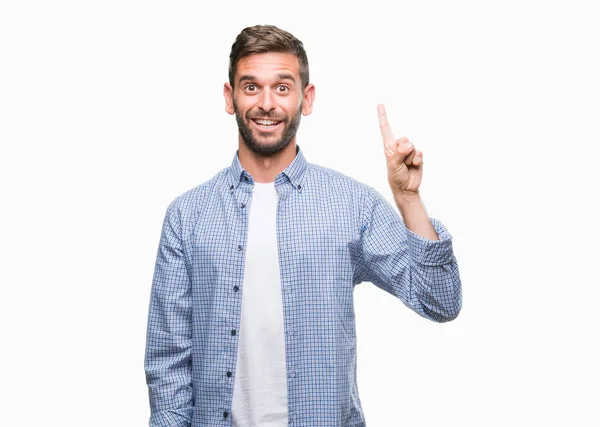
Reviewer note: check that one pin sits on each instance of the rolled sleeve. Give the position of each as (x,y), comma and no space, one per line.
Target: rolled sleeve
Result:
(422,273)
(431,252)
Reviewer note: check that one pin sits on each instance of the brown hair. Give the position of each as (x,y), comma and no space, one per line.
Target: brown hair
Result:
(267,38)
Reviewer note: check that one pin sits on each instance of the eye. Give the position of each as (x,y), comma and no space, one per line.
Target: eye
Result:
(250,88)
(282,88)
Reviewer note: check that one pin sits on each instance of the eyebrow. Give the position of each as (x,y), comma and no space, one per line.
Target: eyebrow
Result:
(286,77)
(251,78)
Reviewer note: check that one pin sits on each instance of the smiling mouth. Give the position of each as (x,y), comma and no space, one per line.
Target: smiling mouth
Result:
(265,122)
(267,126)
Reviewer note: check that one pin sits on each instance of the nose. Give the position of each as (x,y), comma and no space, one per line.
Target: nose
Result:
(266,101)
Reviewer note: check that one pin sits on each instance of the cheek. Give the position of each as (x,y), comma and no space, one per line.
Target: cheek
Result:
(292,106)
(243,105)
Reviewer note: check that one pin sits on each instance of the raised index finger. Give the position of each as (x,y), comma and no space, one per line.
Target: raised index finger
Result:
(384,126)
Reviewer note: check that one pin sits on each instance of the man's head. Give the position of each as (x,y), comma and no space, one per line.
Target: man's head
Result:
(268,80)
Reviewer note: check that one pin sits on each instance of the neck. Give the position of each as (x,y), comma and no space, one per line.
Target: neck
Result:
(265,169)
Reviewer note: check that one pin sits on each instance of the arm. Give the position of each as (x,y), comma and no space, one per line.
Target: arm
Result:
(168,359)
(415,216)
(412,260)
(422,273)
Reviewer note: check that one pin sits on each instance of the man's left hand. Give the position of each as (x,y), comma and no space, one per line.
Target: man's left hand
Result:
(404,162)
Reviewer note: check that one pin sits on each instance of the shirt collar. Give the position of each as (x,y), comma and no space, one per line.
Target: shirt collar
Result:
(294,172)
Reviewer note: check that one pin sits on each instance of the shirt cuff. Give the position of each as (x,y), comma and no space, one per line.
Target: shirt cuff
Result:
(431,252)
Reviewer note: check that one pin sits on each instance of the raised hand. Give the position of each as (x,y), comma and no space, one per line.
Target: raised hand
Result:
(404,162)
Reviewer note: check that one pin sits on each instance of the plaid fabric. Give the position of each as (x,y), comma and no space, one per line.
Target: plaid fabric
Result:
(333,233)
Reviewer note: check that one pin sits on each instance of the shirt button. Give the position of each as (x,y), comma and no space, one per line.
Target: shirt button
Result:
(225,414)
(233,332)
(245,178)
(235,289)
(299,186)
(243,205)
(231,188)
(239,248)
(228,374)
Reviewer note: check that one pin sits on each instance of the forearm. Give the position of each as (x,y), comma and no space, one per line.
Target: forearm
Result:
(421,271)
(435,273)
(415,217)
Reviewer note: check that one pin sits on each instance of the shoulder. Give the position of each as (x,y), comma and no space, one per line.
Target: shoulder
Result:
(194,199)
(325,176)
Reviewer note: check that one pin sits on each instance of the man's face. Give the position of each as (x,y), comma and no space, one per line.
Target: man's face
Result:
(268,101)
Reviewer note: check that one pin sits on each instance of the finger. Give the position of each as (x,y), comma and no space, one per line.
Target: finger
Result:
(418,160)
(409,159)
(386,130)
(403,149)
(411,155)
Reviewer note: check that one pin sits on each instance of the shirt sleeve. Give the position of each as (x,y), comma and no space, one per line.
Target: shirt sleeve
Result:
(168,358)
(422,273)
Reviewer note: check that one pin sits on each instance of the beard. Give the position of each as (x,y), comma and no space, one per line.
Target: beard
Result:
(263,149)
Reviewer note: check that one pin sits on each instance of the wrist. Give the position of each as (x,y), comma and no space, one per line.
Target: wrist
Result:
(407,198)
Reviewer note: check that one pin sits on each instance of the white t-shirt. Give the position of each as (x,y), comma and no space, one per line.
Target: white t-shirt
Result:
(260,388)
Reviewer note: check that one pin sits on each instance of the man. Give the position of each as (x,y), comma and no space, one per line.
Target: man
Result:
(251,319)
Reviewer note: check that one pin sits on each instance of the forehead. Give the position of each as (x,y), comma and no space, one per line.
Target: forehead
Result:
(268,64)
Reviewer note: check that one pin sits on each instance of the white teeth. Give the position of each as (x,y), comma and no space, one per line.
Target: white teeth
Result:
(266,122)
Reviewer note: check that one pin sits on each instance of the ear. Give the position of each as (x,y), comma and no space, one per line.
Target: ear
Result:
(308,99)
(228,94)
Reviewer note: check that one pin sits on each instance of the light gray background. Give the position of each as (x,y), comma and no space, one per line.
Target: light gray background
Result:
(109,110)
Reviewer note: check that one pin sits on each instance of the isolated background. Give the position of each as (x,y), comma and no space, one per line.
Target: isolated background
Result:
(109,110)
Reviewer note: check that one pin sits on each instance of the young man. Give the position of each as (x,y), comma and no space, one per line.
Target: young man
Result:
(251,318)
